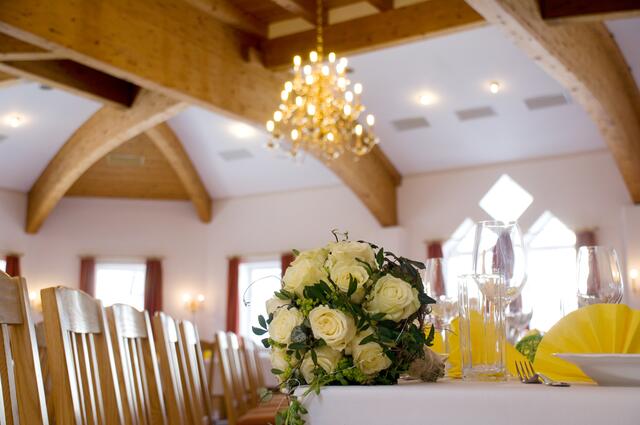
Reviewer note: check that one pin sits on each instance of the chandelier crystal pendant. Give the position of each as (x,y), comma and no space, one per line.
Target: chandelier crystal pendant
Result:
(319,110)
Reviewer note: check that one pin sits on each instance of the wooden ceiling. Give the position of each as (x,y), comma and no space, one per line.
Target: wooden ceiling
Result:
(145,67)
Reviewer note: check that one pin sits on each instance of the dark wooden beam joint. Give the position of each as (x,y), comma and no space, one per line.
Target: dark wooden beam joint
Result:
(584,10)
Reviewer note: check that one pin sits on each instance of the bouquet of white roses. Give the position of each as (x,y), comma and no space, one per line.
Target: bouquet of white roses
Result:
(347,314)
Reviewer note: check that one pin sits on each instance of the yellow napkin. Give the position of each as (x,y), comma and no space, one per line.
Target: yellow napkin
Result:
(599,328)
(455,358)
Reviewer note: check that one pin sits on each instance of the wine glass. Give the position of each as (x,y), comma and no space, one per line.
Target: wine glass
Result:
(499,251)
(599,278)
(445,308)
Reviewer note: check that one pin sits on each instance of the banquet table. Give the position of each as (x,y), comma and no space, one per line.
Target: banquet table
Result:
(454,402)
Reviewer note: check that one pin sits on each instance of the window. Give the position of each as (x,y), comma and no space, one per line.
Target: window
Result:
(257,281)
(121,282)
(458,251)
(506,200)
(550,289)
(3,265)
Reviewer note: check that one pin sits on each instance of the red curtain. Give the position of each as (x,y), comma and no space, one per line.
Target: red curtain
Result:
(285,260)
(434,250)
(585,238)
(233,297)
(88,275)
(13,265)
(153,286)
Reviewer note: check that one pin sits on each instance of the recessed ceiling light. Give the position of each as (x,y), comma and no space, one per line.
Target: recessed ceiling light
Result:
(241,130)
(14,120)
(427,98)
(494,87)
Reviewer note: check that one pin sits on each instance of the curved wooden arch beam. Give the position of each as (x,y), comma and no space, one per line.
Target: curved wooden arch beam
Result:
(99,135)
(586,60)
(168,143)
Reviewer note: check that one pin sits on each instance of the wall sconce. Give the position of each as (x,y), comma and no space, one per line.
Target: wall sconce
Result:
(35,301)
(193,304)
(635,285)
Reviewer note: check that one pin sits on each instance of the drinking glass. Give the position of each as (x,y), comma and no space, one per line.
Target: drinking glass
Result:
(499,250)
(482,330)
(446,307)
(599,278)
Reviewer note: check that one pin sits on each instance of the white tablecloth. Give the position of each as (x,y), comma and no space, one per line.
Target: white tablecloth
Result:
(474,403)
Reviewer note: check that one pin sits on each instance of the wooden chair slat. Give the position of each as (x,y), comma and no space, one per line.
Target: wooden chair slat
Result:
(194,374)
(8,376)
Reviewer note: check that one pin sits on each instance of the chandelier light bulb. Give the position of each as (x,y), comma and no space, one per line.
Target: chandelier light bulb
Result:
(294,134)
(347,109)
(311,109)
(348,96)
(494,87)
(306,69)
(340,68)
(277,116)
(325,70)
(299,101)
(288,86)
(357,88)
(270,126)
(343,62)
(330,137)
(332,57)
(313,56)
(308,79)
(342,83)
(297,61)
(358,130)
(371,120)
(284,95)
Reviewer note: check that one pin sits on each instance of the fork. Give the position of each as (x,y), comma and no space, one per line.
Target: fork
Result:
(528,376)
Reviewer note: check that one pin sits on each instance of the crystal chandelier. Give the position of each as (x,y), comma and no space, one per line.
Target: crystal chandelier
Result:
(319,110)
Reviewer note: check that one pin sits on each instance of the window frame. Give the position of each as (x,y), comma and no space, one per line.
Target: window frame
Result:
(121,263)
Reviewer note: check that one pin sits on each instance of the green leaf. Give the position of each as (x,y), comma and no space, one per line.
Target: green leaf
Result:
(280,295)
(431,336)
(367,339)
(266,343)
(314,357)
(258,331)
(277,371)
(262,322)
(380,258)
(353,285)
(295,252)
(296,346)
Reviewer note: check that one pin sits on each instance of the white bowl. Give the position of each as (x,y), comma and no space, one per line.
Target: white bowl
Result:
(621,370)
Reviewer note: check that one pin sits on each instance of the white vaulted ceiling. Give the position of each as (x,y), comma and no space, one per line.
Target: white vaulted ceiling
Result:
(457,69)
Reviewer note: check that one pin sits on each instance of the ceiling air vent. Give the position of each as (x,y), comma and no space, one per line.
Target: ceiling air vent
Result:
(541,102)
(475,113)
(410,123)
(125,160)
(235,154)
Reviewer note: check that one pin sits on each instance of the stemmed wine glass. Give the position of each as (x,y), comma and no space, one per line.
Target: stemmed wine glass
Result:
(599,277)
(445,308)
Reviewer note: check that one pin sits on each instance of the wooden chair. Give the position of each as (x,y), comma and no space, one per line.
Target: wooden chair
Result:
(254,372)
(84,382)
(194,377)
(238,412)
(22,399)
(136,365)
(44,365)
(168,347)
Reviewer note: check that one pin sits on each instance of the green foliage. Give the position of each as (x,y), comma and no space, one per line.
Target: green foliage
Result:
(528,345)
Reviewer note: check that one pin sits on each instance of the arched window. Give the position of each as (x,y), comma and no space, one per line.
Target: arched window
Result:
(550,289)
(458,252)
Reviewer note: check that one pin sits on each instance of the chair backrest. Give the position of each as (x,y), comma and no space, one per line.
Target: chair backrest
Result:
(194,376)
(44,366)
(248,351)
(136,365)
(22,399)
(81,361)
(224,361)
(238,373)
(168,347)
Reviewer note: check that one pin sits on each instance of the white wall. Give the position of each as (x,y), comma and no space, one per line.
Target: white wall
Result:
(584,191)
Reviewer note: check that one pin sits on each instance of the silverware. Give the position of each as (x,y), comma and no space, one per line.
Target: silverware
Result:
(528,376)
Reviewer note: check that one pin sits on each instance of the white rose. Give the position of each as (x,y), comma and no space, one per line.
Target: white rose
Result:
(348,251)
(394,297)
(369,358)
(279,361)
(284,320)
(302,274)
(318,255)
(342,273)
(333,326)
(327,357)
(275,303)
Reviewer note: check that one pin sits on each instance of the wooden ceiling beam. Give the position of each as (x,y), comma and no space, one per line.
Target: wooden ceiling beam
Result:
(99,135)
(7,80)
(381,5)
(168,143)
(76,78)
(305,9)
(586,60)
(191,57)
(563,11)
(405,24)
(14,49)
(227,12)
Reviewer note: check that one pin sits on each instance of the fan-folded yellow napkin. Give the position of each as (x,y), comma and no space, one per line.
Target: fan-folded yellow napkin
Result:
(599,328)
(455,357)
